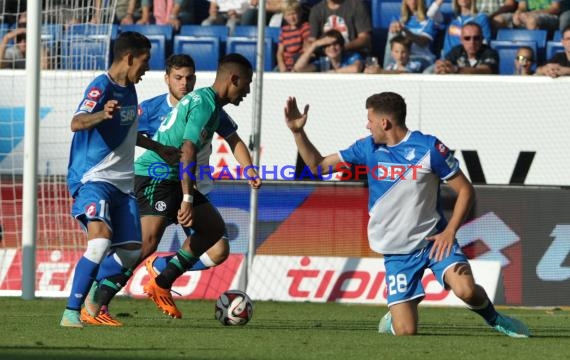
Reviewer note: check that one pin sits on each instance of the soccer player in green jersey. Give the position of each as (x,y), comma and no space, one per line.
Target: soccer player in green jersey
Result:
(190,126)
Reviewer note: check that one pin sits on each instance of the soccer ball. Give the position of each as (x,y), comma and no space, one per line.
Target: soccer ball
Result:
(234,307)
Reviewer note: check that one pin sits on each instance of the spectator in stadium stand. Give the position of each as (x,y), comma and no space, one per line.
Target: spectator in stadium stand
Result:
(293,36)
(349,17)
(415,237)
(172,12)
(336,59)
(498,11)
(13,48)
(272,8)
(559,64)
(400,49)
(415,25)
(128,12)
(536,14)
(524,61)
(226,12)
(471,57)
(465,11)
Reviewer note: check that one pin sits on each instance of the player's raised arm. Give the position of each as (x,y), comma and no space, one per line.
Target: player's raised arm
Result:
(296,121)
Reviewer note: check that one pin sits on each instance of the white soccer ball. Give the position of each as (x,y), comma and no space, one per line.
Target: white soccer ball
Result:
(234,307)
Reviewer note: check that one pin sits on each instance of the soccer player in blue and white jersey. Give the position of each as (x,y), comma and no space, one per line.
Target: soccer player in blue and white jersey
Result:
(406,222)
(101,175)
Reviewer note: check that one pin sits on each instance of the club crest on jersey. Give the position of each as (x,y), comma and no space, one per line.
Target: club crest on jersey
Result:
(91,210)
(410,154)
(442,149)
(160,206)
(94,93)
(87,105)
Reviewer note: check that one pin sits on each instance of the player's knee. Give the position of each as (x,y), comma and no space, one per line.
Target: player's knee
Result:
(464,291)
(405,329)
(220,251)
(97,249)
(128,257)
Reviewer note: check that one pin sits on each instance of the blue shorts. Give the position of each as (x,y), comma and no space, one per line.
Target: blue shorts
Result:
(404,272)
(102,201)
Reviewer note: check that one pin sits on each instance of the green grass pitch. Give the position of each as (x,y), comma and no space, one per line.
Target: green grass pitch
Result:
(30,330)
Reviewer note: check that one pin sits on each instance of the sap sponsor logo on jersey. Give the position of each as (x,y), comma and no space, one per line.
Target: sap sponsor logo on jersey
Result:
(87,105)
(128,114)
(94,93)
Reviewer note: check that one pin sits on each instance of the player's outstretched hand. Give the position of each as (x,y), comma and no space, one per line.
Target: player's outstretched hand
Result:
(293,117)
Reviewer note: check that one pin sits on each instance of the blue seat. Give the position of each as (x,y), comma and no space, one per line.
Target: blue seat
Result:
(166,30)
(273,33)
(518,35)
(158,52)
(557,36)
(205,50)
(84,52)
(383,13)
(553,47)
(219,31)
(92,29)
(245,31)
(248,48)
(507,52)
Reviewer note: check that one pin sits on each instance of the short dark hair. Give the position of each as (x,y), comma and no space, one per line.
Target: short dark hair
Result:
(130,42)
(389,103)
(237,59)
(566,28)
(402,40)
(335,34)
(178,61)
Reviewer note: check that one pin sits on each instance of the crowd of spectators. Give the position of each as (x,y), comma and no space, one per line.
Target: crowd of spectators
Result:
(337,35)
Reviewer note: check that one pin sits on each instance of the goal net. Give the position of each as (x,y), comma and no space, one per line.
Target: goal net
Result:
(75,40)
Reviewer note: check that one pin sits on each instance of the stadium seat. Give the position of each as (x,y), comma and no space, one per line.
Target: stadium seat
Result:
(92,29)
(557,36)
(166,30)
(553,47)
(518,35)
(205,50)
(158,52)
(245,31)
(383,13)
(248,47)
(219,31)
(507,51)
(273,33)
(84,52)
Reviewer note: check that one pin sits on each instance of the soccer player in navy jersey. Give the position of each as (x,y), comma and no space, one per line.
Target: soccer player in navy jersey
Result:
(101,175)
(406,222)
